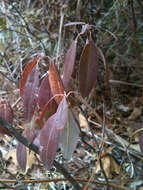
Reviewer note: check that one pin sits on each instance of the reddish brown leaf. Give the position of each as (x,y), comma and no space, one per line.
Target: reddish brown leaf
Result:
(44,94)
(25,74)
(49,140)
(21,155)
(88,68)
(49,109)
(30,93)
(6,113)
(49,135)
(69,64)
(56,84)
(21,152)
(45,101)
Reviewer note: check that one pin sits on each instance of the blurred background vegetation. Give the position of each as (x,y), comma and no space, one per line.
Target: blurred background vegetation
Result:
(28,27)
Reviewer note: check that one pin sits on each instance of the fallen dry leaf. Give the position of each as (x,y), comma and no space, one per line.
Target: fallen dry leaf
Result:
(11,157)
(135,114)
(83,122)
(14,167)
(110,166)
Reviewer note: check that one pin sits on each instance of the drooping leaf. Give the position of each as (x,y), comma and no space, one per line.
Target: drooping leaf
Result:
(25,74)
(49,109)
(88,68)
(21,156)
(45,101)
(21,152)
(56,84)
(69,137)
(44,94)
(49,135)
(69,64)
(6,113)
(30,93)
(49,141)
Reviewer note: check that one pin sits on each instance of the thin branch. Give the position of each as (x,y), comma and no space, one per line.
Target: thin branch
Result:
(133,15)
(118,82)
(34,148)
(60,34)
(63,179)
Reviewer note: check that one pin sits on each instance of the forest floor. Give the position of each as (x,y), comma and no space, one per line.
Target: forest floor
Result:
(121,154)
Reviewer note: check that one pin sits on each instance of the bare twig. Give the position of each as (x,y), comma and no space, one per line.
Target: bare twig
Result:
(118,82)
(133,15)
(63,179)
(60,34)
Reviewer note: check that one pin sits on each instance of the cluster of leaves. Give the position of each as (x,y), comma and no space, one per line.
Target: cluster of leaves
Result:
(49,119)
(57,125)
(48,113)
